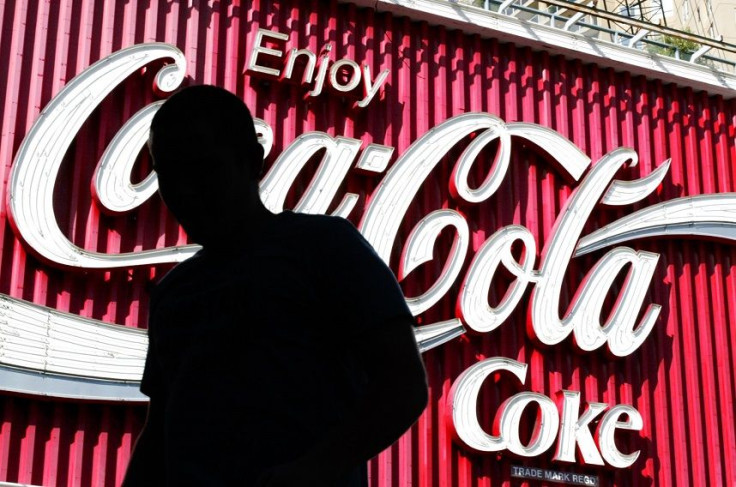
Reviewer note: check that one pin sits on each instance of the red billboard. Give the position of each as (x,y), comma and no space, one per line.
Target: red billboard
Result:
(563,231)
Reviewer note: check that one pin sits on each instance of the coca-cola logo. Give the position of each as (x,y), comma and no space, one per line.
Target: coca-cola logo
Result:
(119,352)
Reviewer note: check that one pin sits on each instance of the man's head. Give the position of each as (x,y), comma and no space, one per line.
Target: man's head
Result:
(207,157)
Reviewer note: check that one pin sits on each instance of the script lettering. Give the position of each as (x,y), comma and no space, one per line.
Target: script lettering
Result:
(419,248)
(547,326)
(39,157)
(550,421)
(36,167)
(339,155)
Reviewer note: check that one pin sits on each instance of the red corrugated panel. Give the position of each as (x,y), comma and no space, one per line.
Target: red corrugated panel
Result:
(682,378)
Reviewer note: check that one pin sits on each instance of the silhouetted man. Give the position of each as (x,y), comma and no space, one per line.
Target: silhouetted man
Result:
(282,353)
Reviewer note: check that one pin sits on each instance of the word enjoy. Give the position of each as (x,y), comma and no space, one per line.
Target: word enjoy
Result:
(345,75)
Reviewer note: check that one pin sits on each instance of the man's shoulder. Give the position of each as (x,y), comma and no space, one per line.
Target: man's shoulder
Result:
(314,221)
(183,272)
(321,229)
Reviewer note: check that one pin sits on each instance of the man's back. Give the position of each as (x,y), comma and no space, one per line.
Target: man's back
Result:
(283,351)
(252,346)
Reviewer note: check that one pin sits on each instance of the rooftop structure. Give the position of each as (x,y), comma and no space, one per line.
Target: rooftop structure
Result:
(597,31)
(682,29)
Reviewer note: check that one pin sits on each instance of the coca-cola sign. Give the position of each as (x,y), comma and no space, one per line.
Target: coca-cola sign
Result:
(118,352)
